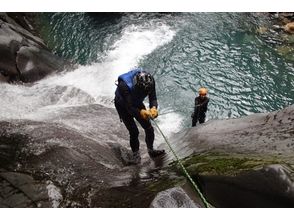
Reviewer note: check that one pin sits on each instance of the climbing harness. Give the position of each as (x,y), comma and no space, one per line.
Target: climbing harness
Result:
(206,204)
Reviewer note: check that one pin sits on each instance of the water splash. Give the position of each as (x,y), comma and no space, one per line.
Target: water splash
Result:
(170,123)
(94,83)
(98,79)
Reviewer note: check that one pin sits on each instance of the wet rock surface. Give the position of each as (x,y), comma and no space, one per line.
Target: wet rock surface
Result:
(261,133)
(77,156)
(21,190)
(173,198)
(270,186)
(244,162)
(87,166)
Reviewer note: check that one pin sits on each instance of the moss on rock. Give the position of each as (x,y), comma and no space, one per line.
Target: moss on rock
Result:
(224,164)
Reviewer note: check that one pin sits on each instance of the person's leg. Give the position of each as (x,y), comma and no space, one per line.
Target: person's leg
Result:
(133,131)
(149,137)
(194,120)
(130,124)
(202,118)
(149,132)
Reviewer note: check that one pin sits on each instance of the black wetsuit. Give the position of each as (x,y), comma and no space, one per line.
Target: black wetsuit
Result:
(199,110)
(127,112)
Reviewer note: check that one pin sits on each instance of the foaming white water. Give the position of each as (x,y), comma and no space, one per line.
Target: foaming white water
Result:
(170,123)
(17,100)
(28,102)
(98,79)
(86,84)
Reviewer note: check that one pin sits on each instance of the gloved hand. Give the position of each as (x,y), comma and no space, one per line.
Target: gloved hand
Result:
(153,112)
(145,114)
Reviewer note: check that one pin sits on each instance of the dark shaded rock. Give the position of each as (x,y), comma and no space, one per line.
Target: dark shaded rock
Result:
(21,190)
(49,152)
(24,57)
(10,149)
(26,20)
(81,154)
(85,164)
(35,63)
(250,156)
(268,187)
(9,45)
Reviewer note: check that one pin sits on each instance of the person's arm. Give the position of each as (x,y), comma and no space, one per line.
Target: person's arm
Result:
(196,104)
(125,93)
(204,104)
(153,98)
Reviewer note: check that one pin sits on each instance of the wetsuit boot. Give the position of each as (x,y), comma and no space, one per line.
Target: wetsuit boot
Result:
(136,157)
(155,153)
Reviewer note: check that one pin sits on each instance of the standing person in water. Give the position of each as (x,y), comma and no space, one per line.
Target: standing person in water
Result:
(200,108)
(132,88)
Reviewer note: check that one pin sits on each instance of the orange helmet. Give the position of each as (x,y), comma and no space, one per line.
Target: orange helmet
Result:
(202,91)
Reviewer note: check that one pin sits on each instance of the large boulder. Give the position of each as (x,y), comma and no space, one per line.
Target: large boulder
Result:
(24,57)
(35,63)
(244,162)
(173,198)
(79,156)
(77,160)
(21,190)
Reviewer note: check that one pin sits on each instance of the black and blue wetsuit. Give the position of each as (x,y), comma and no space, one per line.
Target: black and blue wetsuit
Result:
(128,103)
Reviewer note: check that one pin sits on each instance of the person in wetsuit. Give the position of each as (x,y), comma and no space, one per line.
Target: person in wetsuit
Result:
(132,88)
(200,108)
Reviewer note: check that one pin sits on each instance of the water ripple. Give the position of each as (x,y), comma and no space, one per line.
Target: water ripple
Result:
(246,72)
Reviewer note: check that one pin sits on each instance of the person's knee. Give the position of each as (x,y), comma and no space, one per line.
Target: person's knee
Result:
(201,120)
(134,132)
(149,130)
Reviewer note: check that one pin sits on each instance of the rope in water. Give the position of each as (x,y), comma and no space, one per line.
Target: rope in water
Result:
(207,205)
